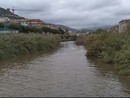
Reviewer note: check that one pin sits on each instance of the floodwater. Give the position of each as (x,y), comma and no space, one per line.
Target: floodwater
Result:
(63,73)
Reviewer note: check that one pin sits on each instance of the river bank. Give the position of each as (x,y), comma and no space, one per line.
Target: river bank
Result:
(14,45)
(110,48)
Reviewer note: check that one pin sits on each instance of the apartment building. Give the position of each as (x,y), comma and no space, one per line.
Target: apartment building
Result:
(124,26)
(29,22)
(23,22)
(35,23)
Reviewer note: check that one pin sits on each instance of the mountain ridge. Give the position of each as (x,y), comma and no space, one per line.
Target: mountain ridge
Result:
(63,27)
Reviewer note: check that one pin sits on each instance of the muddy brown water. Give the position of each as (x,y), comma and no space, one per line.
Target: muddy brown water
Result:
(63,73)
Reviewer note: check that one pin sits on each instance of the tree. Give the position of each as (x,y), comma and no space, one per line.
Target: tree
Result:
(61,31)
(1,25)
(45,29)
(14,27)
(99,30)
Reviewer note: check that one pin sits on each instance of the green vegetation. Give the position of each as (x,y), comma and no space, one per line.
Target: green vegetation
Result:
(13,45)
(53,31)
(80,40)
(112,48)
(1,25)
(67,37)
(28,29)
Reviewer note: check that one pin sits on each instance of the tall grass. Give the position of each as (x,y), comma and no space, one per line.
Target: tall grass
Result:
(13,45)
(113,48)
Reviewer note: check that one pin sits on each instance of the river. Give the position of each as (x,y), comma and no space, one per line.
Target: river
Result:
(64,73)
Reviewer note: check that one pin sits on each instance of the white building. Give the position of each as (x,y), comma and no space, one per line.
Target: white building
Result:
(4,19)
(124,26)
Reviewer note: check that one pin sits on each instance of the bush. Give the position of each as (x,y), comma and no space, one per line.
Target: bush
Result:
(110,48)
(1,25)
(12,45)
(80,40)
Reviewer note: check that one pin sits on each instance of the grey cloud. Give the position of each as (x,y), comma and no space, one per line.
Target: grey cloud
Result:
(101,4)
(74,13)
(123,12)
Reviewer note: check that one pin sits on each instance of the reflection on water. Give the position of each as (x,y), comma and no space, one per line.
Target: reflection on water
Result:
(108,71)
(63,73)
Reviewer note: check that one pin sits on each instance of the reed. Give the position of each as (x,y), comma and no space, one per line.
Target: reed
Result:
(13,45)
(112,48)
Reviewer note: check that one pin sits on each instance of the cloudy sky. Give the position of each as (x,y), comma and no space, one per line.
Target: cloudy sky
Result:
(73,13)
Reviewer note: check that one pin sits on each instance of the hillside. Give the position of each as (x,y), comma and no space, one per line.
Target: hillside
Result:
(63,27)
(84,31)
(91,29)
(68,28)
(7,13)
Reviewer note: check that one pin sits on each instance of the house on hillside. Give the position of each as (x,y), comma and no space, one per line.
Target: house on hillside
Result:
(5,22)
(124,26)
(36,23)
(4,19)
(23,22)
(29,22)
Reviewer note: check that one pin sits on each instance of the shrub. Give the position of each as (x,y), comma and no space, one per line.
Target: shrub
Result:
(110,48)
(12,45)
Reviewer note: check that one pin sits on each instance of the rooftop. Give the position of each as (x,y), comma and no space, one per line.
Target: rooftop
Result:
(124,20)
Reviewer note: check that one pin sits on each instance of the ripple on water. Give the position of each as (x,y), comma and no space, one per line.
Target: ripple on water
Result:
(64,73)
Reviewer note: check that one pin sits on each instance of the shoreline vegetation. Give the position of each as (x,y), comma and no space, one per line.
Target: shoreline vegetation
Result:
(110,48)
(14,45)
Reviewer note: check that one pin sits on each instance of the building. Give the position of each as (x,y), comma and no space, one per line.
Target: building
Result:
(36,23)
(124,26)
(29,22)
(115,28)
(23,22)
(4,19)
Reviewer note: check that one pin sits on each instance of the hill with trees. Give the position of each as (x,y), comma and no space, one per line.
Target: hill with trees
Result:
(9,14)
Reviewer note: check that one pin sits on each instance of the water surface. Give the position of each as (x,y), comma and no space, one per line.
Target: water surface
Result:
(64,73)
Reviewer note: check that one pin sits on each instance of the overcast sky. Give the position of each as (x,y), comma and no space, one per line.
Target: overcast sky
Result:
(73,13)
